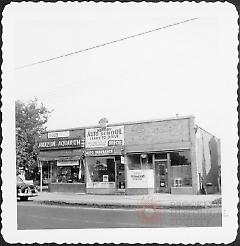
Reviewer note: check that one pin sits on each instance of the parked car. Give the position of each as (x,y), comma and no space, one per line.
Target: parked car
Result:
(25,189)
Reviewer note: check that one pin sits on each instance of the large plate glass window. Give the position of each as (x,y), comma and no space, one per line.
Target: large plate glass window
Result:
(71,171)
(181,174)
(101,169)
(140,161)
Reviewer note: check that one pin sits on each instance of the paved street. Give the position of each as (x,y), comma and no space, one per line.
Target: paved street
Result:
(37,216)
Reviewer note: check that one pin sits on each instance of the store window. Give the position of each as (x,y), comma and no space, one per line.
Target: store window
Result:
(180,158)
(181,174)
(140,161)
(63,172)
(102,169)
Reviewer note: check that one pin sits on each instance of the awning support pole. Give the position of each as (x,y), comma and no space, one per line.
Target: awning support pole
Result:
(40,175)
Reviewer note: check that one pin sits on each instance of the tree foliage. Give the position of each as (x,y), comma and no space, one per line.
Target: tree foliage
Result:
(30,118)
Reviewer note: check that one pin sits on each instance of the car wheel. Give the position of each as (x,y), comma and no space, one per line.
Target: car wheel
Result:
(24,198)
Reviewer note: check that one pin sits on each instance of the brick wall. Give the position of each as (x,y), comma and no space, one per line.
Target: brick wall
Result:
(160,134)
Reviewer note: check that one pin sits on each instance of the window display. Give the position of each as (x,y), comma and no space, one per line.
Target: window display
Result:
(140,161)
(181,174)
(68,174)
(101,169)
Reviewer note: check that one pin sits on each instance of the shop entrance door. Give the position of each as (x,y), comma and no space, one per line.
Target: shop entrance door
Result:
(161,177)
(120,175)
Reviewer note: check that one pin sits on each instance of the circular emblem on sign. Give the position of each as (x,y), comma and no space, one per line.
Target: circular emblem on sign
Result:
(103,122)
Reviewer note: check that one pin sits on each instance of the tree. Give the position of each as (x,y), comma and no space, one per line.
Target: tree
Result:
(30,122)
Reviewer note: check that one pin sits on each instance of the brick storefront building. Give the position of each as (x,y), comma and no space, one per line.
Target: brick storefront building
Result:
(167,155)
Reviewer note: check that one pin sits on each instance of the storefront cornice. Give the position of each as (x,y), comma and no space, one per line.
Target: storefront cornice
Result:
(121,123)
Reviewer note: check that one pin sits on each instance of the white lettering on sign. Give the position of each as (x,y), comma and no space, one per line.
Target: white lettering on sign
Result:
(101,152)
(109,136)
(46,144)
(69,142)
(63,134)
(60,143)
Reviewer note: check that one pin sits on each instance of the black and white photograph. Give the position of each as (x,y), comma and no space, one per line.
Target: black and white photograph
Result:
(119,122)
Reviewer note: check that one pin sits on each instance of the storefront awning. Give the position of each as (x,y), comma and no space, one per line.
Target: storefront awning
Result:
(60,158)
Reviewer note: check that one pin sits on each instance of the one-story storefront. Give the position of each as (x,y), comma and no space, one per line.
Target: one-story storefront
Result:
(169,155)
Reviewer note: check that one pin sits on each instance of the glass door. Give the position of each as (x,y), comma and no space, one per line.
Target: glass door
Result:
(161,176)
(120,174)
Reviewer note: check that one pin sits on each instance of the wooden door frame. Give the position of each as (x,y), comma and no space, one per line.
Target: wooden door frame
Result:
(167,165)
(116,174)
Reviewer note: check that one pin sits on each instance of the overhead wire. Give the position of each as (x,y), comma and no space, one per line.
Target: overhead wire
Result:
(104,44)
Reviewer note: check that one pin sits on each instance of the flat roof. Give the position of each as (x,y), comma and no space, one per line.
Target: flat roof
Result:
(123,123)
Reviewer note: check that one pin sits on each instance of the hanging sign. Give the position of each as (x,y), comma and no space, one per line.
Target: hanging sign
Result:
(104,137)
(64,163)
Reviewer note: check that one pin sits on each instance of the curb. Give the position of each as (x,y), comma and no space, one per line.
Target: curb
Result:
(126,206)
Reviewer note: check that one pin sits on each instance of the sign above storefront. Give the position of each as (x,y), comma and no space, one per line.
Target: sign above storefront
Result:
(102,152)
(63,134)
(105,137)
(60,144)
(64,163)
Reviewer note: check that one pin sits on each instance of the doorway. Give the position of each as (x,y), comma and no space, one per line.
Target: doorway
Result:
(120,174)
(161,176)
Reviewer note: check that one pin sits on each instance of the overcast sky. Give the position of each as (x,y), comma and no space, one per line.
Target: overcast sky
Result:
(187,69)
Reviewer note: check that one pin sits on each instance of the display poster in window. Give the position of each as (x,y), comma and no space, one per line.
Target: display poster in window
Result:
(105,178)
(140,178)
(105,137)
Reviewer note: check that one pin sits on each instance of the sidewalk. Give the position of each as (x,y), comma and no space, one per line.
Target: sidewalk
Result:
(155,200)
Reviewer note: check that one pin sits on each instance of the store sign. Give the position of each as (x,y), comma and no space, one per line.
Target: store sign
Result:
(56,144)
(64,163)
(102,152)
(105,137)
(63,134)
(140,178)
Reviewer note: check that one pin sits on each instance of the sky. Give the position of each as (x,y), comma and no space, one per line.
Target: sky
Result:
(187,69)
(177,70)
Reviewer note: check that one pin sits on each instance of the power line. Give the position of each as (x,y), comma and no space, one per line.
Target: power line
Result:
(104,44)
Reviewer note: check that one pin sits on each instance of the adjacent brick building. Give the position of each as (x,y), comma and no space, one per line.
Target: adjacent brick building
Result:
(168,155)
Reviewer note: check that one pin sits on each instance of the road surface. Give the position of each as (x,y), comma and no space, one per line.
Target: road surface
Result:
(31,215)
